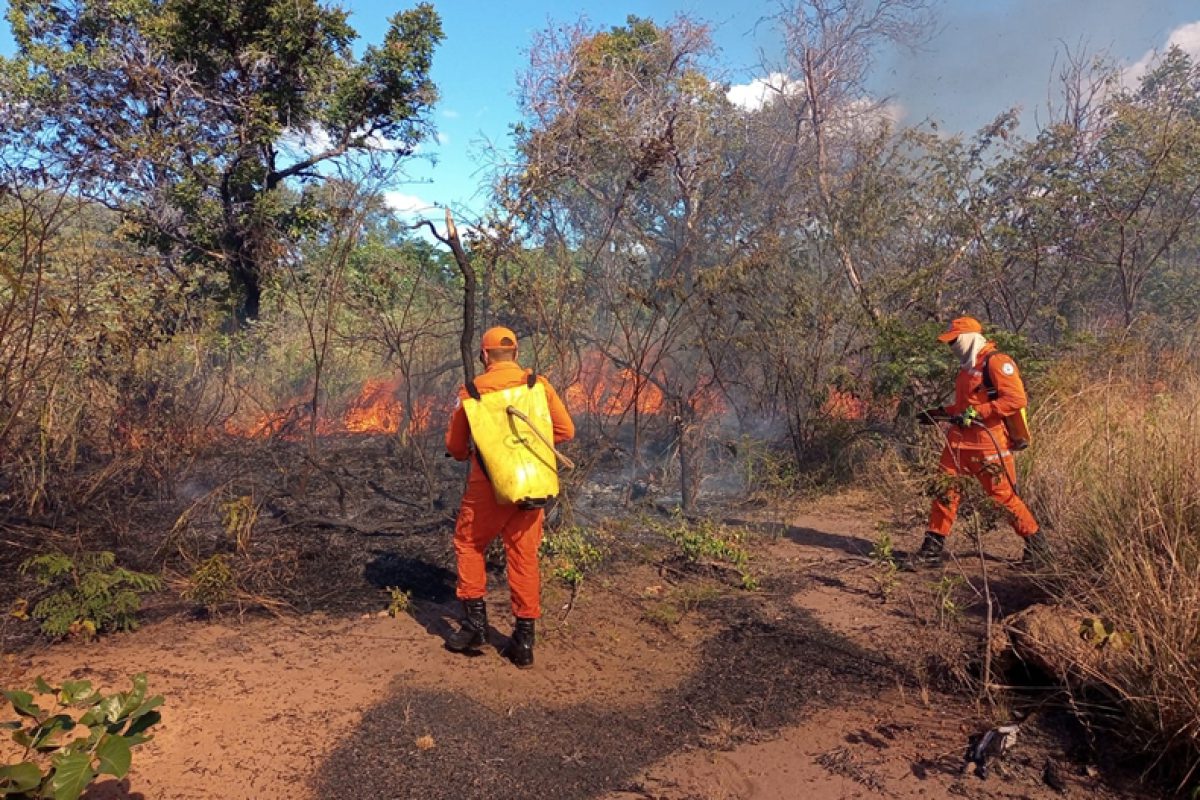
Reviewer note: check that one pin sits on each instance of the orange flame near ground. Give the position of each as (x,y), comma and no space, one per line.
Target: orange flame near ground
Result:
(843,406)
(850,407)
(603,388)
(375,410)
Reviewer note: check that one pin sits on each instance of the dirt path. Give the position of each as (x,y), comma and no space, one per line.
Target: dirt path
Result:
(805,688)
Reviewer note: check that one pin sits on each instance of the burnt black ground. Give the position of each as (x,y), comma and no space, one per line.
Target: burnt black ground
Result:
(757,674)
(767,665)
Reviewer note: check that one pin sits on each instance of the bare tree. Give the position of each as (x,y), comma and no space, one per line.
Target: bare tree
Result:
(828,47)
(626,174)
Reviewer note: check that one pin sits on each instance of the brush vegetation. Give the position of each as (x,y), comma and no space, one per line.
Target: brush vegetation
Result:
(735,301)
(1115,477)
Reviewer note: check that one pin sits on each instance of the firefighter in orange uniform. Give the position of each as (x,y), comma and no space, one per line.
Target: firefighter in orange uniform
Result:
(988,390)
(481,518)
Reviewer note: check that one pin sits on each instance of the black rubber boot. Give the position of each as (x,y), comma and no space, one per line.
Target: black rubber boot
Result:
(520,647)
(930,554)
(1037,551)
(473,633)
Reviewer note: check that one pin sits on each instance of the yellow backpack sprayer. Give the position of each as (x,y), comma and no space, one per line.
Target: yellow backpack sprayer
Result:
(513,436)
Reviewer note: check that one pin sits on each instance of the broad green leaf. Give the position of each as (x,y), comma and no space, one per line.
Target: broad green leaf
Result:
(72,774)
(142,723)
(85,745)
(44,732)
(22,703)
(43,687)
(75,692)
(107,710)
(134,698)
(147,707)
(19,778)
(115,756)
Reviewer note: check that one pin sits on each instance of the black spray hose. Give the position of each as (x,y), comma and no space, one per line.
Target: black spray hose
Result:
(515,412)
(1012,481)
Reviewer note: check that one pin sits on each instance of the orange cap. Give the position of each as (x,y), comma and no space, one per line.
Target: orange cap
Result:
(497,337)
(959,326)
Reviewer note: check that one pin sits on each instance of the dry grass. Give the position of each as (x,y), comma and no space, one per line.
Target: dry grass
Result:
(1114,475)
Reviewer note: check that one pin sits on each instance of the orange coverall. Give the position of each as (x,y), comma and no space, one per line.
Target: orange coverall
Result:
(481,519)
(970,451)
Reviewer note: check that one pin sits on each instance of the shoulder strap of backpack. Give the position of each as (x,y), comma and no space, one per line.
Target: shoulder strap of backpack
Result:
(988,383)
(532,380)
(473,392)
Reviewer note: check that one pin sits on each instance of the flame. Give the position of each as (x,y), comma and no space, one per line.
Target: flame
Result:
(851,407)
(708,402)
(843,406)
(376,409)
(603,388)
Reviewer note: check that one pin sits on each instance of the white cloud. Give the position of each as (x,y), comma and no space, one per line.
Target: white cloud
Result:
(382,143)
(409,205)
(311,140)
(1185,37)
(443,139)
(314,140)
(862,113)
(757,93)
(450,113)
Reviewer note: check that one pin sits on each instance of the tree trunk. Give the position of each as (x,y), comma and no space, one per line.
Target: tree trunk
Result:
(467,342)
(246,283)
(689,468)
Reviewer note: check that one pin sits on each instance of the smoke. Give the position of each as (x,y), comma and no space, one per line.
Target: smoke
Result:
(987,57)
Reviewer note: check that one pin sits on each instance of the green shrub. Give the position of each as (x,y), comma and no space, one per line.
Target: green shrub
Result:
(212,583)
(571,552)
(90,593)
(399,601)
(887,568)
(83,734)
(713,543)
(766,471)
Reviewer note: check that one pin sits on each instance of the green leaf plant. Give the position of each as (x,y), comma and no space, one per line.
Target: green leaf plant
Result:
(89,593)
(71,735)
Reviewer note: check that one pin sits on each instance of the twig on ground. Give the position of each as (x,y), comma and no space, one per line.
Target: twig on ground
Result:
(987,595)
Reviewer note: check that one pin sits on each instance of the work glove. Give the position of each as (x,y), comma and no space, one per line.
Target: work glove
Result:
(930,416)
(967,418)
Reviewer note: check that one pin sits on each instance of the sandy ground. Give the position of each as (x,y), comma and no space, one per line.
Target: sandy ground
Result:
(802,690)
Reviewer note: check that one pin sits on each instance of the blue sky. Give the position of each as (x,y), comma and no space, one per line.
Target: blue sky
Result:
(983,57)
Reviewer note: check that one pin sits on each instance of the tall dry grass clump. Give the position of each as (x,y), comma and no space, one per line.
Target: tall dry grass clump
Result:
(1116,475)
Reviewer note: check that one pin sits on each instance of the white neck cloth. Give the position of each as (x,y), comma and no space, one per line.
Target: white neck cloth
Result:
(967,347)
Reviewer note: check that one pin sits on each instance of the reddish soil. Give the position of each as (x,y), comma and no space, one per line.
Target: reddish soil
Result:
(658,684)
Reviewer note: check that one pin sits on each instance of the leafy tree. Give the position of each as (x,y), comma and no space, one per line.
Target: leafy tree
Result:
(628,174)
(1144,179)
(191,115)
(828,49)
